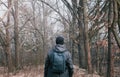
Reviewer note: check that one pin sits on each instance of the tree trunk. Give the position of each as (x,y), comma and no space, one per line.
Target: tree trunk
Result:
(7,46)
(119,16)
(109,53)
(72,27)
(113,26)
(116,20)
(82,57)
(86,38)
(110,19)
(44,23)
(16,35)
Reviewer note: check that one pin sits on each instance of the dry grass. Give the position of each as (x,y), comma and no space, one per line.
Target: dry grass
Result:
(38,72)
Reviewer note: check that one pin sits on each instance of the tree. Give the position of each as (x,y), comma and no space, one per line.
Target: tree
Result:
(16,34)
(72,29)
(7,45)
(110,26)
(113,12)
(116,21)
(85,28)
(86,38)
(81,50)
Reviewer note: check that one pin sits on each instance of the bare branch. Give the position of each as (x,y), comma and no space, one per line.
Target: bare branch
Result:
(55,10)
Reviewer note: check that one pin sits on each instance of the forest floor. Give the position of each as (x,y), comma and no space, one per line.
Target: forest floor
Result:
(38,72)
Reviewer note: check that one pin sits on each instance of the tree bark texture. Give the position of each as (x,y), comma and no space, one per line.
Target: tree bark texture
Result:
(86,38)
(16,35)
(7,46)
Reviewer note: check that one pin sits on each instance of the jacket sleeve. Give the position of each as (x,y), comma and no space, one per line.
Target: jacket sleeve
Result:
(47,61)
(70,65)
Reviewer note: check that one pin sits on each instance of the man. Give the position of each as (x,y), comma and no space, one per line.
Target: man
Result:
(58,61)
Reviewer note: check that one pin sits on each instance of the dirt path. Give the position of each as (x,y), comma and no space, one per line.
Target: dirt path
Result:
(38,72)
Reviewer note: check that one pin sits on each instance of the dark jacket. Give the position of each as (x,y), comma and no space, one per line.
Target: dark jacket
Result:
(47,69)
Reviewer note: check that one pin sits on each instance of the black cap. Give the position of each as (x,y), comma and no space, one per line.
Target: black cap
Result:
(60,40)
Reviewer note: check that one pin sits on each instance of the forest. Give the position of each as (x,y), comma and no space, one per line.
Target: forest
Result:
(91,29)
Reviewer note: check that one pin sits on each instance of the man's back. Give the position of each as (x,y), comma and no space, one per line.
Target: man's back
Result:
(64,62)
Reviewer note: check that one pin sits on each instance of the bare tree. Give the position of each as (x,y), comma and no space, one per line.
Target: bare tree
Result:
(7,45)
(82,57)
(16,34)
(86,38)
(72,29)
(110,14)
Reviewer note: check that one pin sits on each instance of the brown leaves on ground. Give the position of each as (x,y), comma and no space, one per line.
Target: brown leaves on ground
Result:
(38,71)
(78,72)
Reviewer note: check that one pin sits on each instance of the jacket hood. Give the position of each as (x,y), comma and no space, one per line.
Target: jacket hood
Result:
(60,48)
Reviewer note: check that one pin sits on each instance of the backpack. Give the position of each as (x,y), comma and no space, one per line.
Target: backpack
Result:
(58,62)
